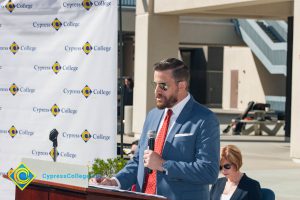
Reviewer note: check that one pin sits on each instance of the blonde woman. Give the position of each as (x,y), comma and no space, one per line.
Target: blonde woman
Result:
(235,185)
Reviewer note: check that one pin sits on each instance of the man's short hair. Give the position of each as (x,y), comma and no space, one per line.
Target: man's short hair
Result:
(180,70)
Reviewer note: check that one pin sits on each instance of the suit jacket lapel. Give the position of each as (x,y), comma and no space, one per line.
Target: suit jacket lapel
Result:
(156,121)
(185,113)
(237,194)
(240,193)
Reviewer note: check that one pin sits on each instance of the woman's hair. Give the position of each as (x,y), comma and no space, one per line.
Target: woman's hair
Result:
(233,155)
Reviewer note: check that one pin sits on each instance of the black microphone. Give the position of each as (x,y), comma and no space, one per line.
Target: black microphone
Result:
(53,137)
(151,143)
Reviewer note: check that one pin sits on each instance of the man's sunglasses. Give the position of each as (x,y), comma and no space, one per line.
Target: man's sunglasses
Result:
(226,166)
(162,86)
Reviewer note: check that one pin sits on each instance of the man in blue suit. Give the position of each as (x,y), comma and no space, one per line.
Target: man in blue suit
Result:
(189,157)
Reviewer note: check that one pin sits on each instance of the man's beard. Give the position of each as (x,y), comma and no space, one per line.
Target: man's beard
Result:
(166,103)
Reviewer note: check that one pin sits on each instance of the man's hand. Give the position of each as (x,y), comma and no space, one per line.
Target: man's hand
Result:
(153,160)
(103,181)
(109,181)
(96,180)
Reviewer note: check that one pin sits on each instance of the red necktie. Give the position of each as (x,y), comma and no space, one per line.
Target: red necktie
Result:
(158,147)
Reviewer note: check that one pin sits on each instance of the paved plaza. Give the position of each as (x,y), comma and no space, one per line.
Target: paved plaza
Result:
(266,159)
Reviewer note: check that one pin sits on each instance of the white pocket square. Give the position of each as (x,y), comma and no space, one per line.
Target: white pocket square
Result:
(183,134)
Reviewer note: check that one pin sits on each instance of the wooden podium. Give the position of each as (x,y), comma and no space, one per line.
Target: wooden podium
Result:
(45,190)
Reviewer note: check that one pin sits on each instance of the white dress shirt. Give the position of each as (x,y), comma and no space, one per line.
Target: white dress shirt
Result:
(176,111)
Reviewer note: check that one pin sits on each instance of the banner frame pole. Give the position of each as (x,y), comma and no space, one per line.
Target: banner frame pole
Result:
(121,62)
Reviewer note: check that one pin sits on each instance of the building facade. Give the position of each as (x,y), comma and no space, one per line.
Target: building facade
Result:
(228,67)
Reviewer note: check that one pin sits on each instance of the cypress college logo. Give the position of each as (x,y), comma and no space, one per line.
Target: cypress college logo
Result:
(56,24)
(87,48)
(55,110)
(86,91)
(56,68)
(21,176)
(62,154)
(14,48)
(10,6)
(15,89)
(85,136)
(39,153)
(13,132)
(86,4)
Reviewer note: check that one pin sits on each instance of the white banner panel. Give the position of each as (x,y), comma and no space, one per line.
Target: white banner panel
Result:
(58,70)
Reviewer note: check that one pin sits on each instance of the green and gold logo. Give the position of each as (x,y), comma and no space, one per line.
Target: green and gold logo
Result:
(86,135)
(10,171)
(86,91)
(51,153)
(56,24)
(13,131)
(21,176)
(56,67)
(55,110)
(14,48)
(87,4)
(13,89)
(10,6)
(87,48)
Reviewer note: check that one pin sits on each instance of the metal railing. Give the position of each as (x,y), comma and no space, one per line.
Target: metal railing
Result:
(272,55)
(271,32)
(280,26)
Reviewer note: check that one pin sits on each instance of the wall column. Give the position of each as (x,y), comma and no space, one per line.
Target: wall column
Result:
(295,110)
(156,37)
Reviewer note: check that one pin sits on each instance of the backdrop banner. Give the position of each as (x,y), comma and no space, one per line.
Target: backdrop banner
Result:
(58,70)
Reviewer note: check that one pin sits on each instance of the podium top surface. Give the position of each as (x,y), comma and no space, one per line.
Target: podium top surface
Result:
(89,193)
(64,173)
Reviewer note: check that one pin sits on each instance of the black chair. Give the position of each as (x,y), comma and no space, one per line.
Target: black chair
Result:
(267,194)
